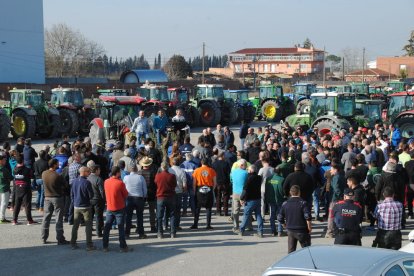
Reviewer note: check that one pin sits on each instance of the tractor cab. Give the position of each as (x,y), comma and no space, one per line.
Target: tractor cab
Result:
(401,112)
(343,88)
(209,91)
(27,98)
(153,93)
(67,96)
(397,86)
(179,95)
(238,96)
(368,111)
(332,104)
(303,90)
(112,92)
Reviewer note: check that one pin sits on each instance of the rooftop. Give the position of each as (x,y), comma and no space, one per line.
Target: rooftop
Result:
(291,50)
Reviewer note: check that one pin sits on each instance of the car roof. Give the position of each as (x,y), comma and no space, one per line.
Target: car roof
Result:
(343,260)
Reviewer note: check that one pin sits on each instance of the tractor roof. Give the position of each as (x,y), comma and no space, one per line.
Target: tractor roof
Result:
(303,84)
(369,101)
(123,100)
(209,85)
(153,86)
(404,93)
(110,90)
(330,94)
(66,89)
(177,89)
(238,91)
(26,91)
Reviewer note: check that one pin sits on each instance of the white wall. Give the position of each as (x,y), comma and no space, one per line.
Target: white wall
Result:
(21,41)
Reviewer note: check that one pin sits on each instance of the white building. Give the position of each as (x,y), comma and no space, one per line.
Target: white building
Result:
(22,58)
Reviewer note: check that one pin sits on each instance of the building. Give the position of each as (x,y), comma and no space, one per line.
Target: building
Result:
(142,76)
(394,65)
(275,61)
(369,75)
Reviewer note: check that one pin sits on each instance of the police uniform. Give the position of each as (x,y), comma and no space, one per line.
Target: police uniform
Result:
(347,218)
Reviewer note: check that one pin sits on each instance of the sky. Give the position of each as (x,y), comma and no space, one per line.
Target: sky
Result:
(134,27)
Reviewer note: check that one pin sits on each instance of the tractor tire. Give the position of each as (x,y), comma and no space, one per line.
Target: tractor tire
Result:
(249,114)
(240,114)
(69,122)
(192,116)
(271,112)
(96,133)
(326,125)
(406,125)
(86,121)
(228,115)
(23,125)
(4,127)
(303,107)
(54,130)
(210,114)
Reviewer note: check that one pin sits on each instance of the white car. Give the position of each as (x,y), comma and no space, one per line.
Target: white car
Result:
(324,260)
(409,247)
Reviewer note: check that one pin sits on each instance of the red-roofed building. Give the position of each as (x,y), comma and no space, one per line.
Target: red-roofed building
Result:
(273,61)
(369,75)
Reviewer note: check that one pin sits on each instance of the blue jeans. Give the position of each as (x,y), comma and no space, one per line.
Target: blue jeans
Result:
(166,206)
(242,140)
(274,210)
(137,204)
(315,196)
(159,134)
(40,203)
(140,136)
(178,205)
(188,200)
(250,207)
(119,216)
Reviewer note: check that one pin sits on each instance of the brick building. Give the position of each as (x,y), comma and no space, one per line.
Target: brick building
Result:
(369,75)
(395,64)
(274,61)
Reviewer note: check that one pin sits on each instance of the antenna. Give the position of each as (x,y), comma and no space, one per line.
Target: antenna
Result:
(310,254)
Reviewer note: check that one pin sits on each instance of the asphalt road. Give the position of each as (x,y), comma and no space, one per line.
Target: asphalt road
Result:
(193,252)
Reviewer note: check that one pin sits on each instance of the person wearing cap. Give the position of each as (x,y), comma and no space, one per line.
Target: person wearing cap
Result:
(296,217)
(204,183)
(389,215)
(148,171)
(347,218)
(5,178)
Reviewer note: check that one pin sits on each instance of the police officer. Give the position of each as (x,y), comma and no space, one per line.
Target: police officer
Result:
(347,218)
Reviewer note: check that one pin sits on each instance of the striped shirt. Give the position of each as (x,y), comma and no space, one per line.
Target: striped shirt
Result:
(389,214)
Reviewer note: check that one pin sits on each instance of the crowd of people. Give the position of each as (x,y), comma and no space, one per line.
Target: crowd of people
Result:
(285,177)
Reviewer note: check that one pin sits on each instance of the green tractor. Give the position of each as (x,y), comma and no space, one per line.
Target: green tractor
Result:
(214,108)
(30,115)
(272,104)
(343,88)
(368,112)
(5,125)
(397,86)
(360,89)
(245,109)
(301,96)
(328,111)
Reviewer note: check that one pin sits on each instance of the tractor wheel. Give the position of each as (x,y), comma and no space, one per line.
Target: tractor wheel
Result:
(4,127)
(228,115)
(326,125)
(210,114)
(54,129)
(96,133)
(240,114)
(23,125)
(69,122)
(249,114)
(303,107)
(271,112)
(84,123)
(406,125)
(192,116)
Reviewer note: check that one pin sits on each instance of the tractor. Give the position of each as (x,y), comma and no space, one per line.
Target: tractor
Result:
(369,112)
(112,92)
(75,115)
(114,116)
(214,108)
(156,97)
(301,96)
(272,104)
(328,111)
(31,115)
(343,88)
(179,99)
(5,125)
(401,112)
(245,109)
(397,86)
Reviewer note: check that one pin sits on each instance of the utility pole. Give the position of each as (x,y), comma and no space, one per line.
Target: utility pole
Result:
(343,69)
(202,62)
(323,71)
(363,64)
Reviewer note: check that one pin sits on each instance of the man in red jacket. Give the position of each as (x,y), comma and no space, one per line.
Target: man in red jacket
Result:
(116,194)
(166,183)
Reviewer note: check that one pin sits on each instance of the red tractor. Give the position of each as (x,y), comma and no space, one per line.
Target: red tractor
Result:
(180,99)
(115,116)
(401,112)
(156,97)
(75,115)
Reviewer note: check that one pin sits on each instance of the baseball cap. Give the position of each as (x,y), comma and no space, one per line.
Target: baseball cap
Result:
(349,192)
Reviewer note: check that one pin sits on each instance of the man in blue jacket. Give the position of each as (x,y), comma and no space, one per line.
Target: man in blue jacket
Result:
(395,136)
(159,125)
(81,195)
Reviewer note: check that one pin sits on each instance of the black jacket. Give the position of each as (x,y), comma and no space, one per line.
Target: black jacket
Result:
(303,180)
(347,215)
(251,190)
(222,169)
(295,212)
(393,180)
(39,167)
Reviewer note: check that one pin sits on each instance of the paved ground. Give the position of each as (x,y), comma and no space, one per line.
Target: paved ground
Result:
(201,252)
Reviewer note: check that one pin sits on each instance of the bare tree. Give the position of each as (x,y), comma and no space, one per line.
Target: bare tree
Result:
(352,58)
(67,51)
